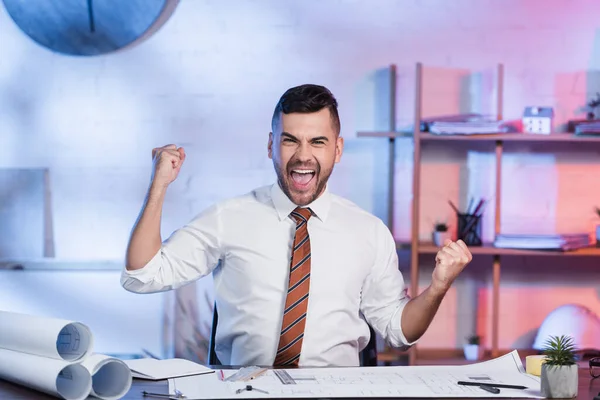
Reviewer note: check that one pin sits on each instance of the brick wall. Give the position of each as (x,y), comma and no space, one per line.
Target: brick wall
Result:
(208,80)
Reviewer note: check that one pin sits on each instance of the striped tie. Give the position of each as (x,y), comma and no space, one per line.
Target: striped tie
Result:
(296,304)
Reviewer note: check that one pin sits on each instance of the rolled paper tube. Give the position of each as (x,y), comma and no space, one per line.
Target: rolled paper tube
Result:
(54,338)
(111,377)
(59,378)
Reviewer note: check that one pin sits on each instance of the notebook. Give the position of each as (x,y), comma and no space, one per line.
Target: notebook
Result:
(153,369)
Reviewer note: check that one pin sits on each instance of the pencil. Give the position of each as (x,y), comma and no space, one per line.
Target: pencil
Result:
(453,207)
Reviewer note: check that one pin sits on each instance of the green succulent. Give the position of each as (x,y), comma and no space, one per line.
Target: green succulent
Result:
(474,339)
(441,227)
(559,350)
(594,102)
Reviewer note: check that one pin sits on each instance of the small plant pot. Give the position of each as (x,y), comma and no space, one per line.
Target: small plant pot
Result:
(559,381)
(439,237)
(473,352)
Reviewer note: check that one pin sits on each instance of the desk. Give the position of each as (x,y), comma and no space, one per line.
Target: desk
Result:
(588,388)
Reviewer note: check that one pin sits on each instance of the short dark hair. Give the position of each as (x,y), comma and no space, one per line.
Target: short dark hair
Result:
(307,98)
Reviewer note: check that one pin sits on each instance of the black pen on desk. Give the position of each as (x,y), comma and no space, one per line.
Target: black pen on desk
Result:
(496,385)
(491,389)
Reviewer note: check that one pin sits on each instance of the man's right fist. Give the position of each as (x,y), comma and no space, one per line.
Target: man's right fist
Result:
(167,162)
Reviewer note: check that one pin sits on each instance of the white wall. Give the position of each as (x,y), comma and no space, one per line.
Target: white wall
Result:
(209,79)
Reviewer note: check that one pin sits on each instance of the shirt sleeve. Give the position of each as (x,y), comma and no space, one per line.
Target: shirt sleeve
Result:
(190,253)
(384,293)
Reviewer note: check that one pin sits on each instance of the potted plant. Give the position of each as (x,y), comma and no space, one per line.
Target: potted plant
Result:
(440,233)
(559,371)
(592,105)
(472,348)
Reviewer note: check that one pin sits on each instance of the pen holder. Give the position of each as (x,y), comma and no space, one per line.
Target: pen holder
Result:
(469,229)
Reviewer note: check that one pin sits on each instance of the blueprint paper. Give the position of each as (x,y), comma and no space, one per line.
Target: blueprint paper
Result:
(111,377)
(405,381)
(46,354)
(46,337)
(59,378)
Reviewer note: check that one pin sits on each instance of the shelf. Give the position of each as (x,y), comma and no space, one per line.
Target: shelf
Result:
(489,249)
(505,137)
(420,139)
(59,264)
(514,137)
(385,134)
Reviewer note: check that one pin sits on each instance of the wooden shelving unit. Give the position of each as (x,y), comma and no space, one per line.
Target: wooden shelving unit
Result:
(504,137)
(489,250)
(414,246)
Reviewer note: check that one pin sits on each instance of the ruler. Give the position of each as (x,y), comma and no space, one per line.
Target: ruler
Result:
(246,374)
(284,377)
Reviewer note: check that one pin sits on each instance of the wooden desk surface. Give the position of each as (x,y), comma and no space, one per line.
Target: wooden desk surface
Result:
(588,388)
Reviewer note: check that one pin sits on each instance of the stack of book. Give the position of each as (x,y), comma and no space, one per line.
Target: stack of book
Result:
(561,242)
(588,128)
(463,124)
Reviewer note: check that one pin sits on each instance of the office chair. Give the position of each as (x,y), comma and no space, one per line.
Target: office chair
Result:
(212,354)
(367,357)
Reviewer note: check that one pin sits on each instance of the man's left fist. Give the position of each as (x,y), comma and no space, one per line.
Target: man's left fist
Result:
(449,262)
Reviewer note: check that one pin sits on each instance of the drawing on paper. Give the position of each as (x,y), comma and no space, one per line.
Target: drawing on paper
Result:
(68,340)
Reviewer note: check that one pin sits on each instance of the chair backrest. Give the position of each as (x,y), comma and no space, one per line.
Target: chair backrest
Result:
(212,354)
(368,356)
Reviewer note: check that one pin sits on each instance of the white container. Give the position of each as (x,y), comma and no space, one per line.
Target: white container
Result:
(473,352)
(440,237)
(559,381)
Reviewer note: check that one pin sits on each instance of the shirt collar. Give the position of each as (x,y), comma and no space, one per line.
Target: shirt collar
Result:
(284,206)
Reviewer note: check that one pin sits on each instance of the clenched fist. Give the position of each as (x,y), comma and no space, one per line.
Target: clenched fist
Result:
(167,162)
(449,262)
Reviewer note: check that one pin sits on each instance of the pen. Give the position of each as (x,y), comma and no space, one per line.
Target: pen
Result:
(453,207)
(478,207)
(498,385)
(491,389)
(221,375)
(482,208)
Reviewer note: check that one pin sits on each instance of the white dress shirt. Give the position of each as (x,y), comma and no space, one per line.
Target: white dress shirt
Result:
(246,242)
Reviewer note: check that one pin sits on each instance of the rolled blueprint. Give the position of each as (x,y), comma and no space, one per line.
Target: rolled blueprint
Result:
(63,379)
(47,337)
(111,377)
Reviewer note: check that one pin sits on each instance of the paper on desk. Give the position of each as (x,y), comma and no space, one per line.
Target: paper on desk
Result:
(111,378)
(47,337)
(153,369)
(63,379)
(413,381)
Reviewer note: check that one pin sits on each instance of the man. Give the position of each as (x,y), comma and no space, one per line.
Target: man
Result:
(298,271)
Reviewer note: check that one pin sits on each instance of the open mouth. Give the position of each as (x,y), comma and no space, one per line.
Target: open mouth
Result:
(301,178)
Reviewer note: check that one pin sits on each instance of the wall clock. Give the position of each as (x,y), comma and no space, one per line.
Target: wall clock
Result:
(89,27)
